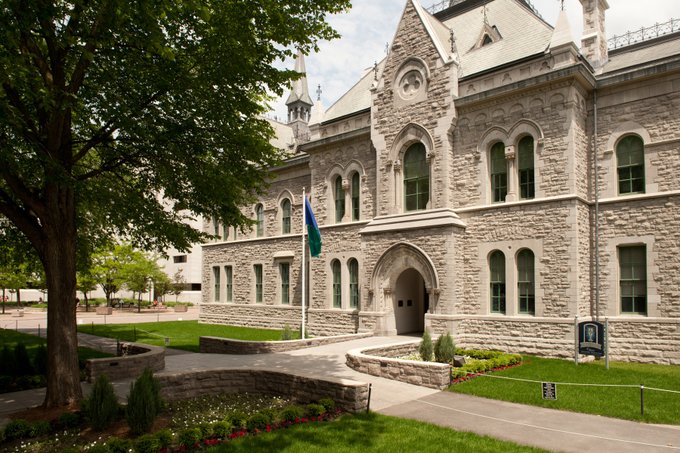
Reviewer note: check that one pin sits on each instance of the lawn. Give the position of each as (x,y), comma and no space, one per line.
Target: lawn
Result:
(11,337)
(659,407)
(182,334)
(369,433)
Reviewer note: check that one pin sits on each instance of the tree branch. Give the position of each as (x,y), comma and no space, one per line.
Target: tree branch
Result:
(27,223)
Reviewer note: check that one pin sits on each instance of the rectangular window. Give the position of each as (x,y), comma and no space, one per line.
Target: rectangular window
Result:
(284,269)
(525,282)
(179,259)
(353,283)
(216,283)
(216,227)
(229,275)
(258,283)
(633,279)
(525,167)
(499,173)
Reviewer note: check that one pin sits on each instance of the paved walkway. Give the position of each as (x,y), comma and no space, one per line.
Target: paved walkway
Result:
(545,428)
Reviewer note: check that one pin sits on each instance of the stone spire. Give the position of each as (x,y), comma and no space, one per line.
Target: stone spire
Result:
(299,102)
(562,45)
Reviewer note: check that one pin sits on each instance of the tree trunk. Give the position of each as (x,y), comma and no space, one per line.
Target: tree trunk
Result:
(18,297)
(59,259)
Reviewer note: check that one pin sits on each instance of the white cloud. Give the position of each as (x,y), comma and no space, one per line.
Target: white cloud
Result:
(372,23)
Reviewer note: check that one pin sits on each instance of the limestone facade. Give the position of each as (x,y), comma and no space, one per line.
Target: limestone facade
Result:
(522,215)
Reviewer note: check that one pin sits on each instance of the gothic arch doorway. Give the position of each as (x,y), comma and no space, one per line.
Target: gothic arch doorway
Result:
(407,286)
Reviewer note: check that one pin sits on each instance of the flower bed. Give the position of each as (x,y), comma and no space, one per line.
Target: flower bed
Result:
(478,362)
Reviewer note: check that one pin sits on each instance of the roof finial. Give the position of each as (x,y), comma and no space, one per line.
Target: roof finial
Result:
(318,93)
(387,48)
(562,4)
(375,71)
(486,19)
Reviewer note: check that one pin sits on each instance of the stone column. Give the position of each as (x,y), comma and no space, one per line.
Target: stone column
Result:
(512,173)
(397,187)
(348,201)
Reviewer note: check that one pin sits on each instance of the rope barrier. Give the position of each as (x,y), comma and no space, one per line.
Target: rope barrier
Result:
(580,384)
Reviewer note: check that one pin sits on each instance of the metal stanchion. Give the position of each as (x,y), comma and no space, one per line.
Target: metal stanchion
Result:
(642,400)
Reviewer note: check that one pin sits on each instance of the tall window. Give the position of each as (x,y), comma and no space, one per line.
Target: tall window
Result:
(526,167)
(259,215)
(499,173)
(258,283)
(525,282)
(633,279)
(353,283)
(285,216)
(416,178)
(216,283)
(284,269)
(225,232)
(355,197)
(229,275)
(216,226)
(497,271)
(630,164)
(339,193)
(337,284)
(235,233)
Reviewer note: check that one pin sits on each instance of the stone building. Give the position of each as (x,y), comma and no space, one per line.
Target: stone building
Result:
(488,178)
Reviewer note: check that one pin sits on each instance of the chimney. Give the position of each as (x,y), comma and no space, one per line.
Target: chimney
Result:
(594,40)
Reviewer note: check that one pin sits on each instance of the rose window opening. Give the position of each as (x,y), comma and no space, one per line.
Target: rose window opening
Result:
(411,83)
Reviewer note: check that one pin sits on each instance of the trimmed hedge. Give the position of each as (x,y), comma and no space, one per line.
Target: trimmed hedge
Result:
(482,361)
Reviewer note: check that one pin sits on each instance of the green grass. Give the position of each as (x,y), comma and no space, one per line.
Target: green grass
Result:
(32,342)
(182,334)
(369,433)
(660,407)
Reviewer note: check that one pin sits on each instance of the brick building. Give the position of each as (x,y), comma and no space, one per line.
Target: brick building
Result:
(489,178)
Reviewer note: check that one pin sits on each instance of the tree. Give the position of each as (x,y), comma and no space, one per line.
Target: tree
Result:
(110,268)
(85,282)
(178,284)
(161,286)
(107,105)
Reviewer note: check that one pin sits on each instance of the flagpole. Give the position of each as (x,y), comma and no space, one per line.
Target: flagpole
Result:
(304,254)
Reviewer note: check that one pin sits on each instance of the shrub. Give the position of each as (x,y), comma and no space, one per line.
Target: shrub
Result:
(221,429)
(206,430)
(98,448)
(117,445)
(147,443)
(189,437)
(69,420)
(258,421)
(102,405)
(328,404)
(425,348)
(315,410)
(144,403)
(238,419)
(23,361)
(7,364)
(40,428)
(40,360)
(17,429)
(290,413)
(444,349)
(164,437)
(286,333)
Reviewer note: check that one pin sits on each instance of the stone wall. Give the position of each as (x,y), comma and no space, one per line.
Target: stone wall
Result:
(140,356)
(251,315)
(216,345)
(647,341)
(349,395)
(427,374)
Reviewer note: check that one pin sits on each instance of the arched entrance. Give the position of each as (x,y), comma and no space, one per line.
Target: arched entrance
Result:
(406,284)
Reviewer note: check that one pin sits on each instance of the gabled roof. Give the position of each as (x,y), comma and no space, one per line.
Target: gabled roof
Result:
(284,137)
(357,98)
(437,31)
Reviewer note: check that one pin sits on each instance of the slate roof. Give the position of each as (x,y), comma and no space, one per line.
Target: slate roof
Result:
(643,53)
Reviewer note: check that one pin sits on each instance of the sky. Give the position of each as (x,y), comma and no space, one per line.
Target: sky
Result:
(371,24)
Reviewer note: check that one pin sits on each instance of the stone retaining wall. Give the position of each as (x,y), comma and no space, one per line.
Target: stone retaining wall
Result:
(216,345)
(349,395)
(140,356)
(373,361)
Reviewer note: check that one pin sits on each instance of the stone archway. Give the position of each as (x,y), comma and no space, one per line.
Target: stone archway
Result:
(404,273)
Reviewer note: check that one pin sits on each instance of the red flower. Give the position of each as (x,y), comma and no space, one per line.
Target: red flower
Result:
(269,428)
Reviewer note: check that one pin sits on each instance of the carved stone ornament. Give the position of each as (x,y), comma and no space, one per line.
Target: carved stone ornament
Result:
(431,155)
(410,84)
(397,165)
(345,184)
(510,152)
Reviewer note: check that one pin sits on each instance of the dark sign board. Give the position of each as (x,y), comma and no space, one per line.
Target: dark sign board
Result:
(591,338)
(549,390)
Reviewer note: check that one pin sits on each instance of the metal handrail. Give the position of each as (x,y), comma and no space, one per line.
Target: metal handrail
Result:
(643,34)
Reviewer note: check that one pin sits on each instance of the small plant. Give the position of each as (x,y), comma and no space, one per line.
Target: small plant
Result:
(40,428)
(258,421)
(206,430)
(315,410)
(148,443)
(222,429)
(69,420)
(117,445)
(286,333)
(102,406)
(189,437)
(144,403)
(238,419)
(328,404)
(98,448)
(291,413)
(444,349)
(164,437)
(17,429)
(425,348)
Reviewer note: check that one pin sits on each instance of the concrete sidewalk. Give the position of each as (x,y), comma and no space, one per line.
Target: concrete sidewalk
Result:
(545,428)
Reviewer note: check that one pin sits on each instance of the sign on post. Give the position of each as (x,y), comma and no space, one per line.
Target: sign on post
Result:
(591,338)
(549,390)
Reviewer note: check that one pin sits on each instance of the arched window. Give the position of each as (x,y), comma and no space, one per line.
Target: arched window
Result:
(499,172)
(525,282)
(497,274)
(355,197)
(630,165)
(259,217)
(339,199)
(416,178)
(353,283)
(285,216)
(337,284)
(525,167)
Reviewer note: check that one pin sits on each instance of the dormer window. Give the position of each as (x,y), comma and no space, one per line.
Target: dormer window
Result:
(486,40)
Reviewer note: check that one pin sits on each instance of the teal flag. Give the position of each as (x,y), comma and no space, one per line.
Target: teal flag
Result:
(312,230)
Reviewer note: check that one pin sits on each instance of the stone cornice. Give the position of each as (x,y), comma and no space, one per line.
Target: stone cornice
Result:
(357,133)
